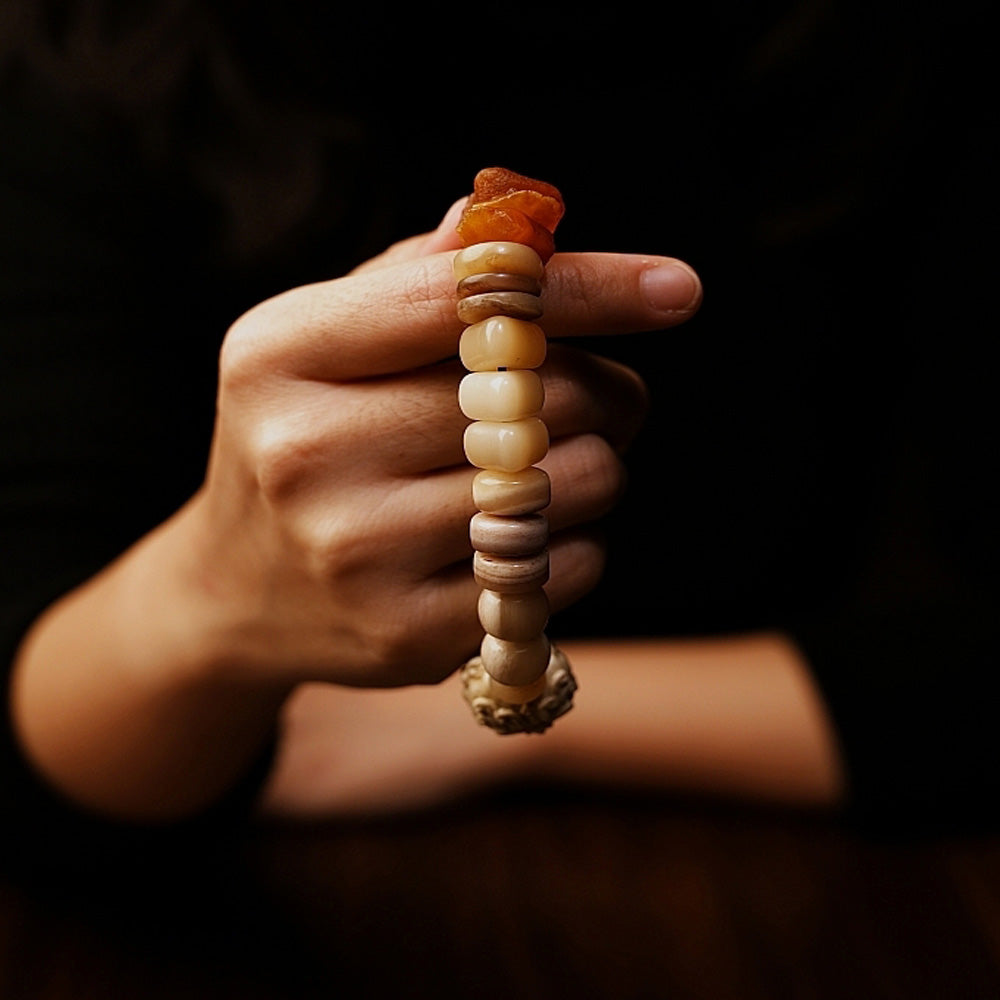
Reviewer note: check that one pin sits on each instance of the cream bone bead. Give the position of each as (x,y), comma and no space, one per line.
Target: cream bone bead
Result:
(514,617)
(477,284)
(515,663)
(506,395)
(502,342)
(511,575)
(520,305)
(509,536)
(519,695)
(506,445)
(511,493)
(497,257)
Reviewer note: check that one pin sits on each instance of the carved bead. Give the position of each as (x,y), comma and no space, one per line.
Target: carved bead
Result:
(511,575)
(497,257)
(509,536)
(520,305)
(507,395)
(477,284)
(502,342)
(515,663)
(511,493)
(515,617)
(506,445)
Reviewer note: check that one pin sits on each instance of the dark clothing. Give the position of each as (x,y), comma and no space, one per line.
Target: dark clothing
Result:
(820,443)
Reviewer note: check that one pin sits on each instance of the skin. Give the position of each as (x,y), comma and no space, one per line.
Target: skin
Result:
(329,541)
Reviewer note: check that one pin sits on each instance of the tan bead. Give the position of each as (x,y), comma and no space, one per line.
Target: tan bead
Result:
(515,617)
(516,695)
(509,536)
(511,575)
(520,305)
(476,284)
(507,395)
(515,663)
(497,257)
(511,493)
(502,342)
(508,445)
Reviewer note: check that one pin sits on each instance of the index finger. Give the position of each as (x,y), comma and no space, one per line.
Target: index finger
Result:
(403,316)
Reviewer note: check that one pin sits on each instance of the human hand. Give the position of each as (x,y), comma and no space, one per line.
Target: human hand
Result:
(334,517)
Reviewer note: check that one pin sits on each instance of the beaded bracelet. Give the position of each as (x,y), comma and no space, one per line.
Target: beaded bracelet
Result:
(519,682)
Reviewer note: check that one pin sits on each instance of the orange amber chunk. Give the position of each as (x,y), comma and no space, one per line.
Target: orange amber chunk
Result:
(508,206)
(488,223)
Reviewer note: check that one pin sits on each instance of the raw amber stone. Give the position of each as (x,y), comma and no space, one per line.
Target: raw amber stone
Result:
(502,342)
(497,256)
(481,223)
(509,536)
(515,617)
(540,201)
(511,493)
(508,445)
(507,395)
(511,575)
(515,663)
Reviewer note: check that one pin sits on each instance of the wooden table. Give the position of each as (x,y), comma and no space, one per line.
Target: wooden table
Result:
(523,895)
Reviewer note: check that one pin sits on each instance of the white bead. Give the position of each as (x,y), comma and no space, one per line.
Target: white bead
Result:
(515,663)
(502,342)
(509,536)
(508,446)
(515,617)
(509,395)
(499,256)
(511,574)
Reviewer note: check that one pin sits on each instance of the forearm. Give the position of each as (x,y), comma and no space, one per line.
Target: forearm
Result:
(735,717)
(120,697)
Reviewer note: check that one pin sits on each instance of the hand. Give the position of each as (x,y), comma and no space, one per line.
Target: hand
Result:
(335,511)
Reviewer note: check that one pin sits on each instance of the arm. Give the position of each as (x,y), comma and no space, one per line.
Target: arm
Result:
(732,718)
(329,541)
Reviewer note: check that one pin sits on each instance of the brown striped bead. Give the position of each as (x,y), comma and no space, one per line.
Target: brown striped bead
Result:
(520,305)
(510,575)
(477,284)
(520,492)
(509,536)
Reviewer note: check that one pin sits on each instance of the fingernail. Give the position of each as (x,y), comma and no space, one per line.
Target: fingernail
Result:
(671,287)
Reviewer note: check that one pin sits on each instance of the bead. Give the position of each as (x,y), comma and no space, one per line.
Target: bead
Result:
(509,536)
(515,695)
(507,395)
(515,575)
(502,342)
(511,493)
(515,617)
(497,257)
(520,305)
(508,445)
(476,284)
(515,663)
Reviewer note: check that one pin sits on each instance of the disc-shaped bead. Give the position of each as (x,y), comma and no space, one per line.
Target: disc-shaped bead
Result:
(509,536)
(515,617)
(513,575)
(515,664)
(502,342)
(508,445)
(477,284)
(520,492)
(520,305)
(506,395)
(497,257)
